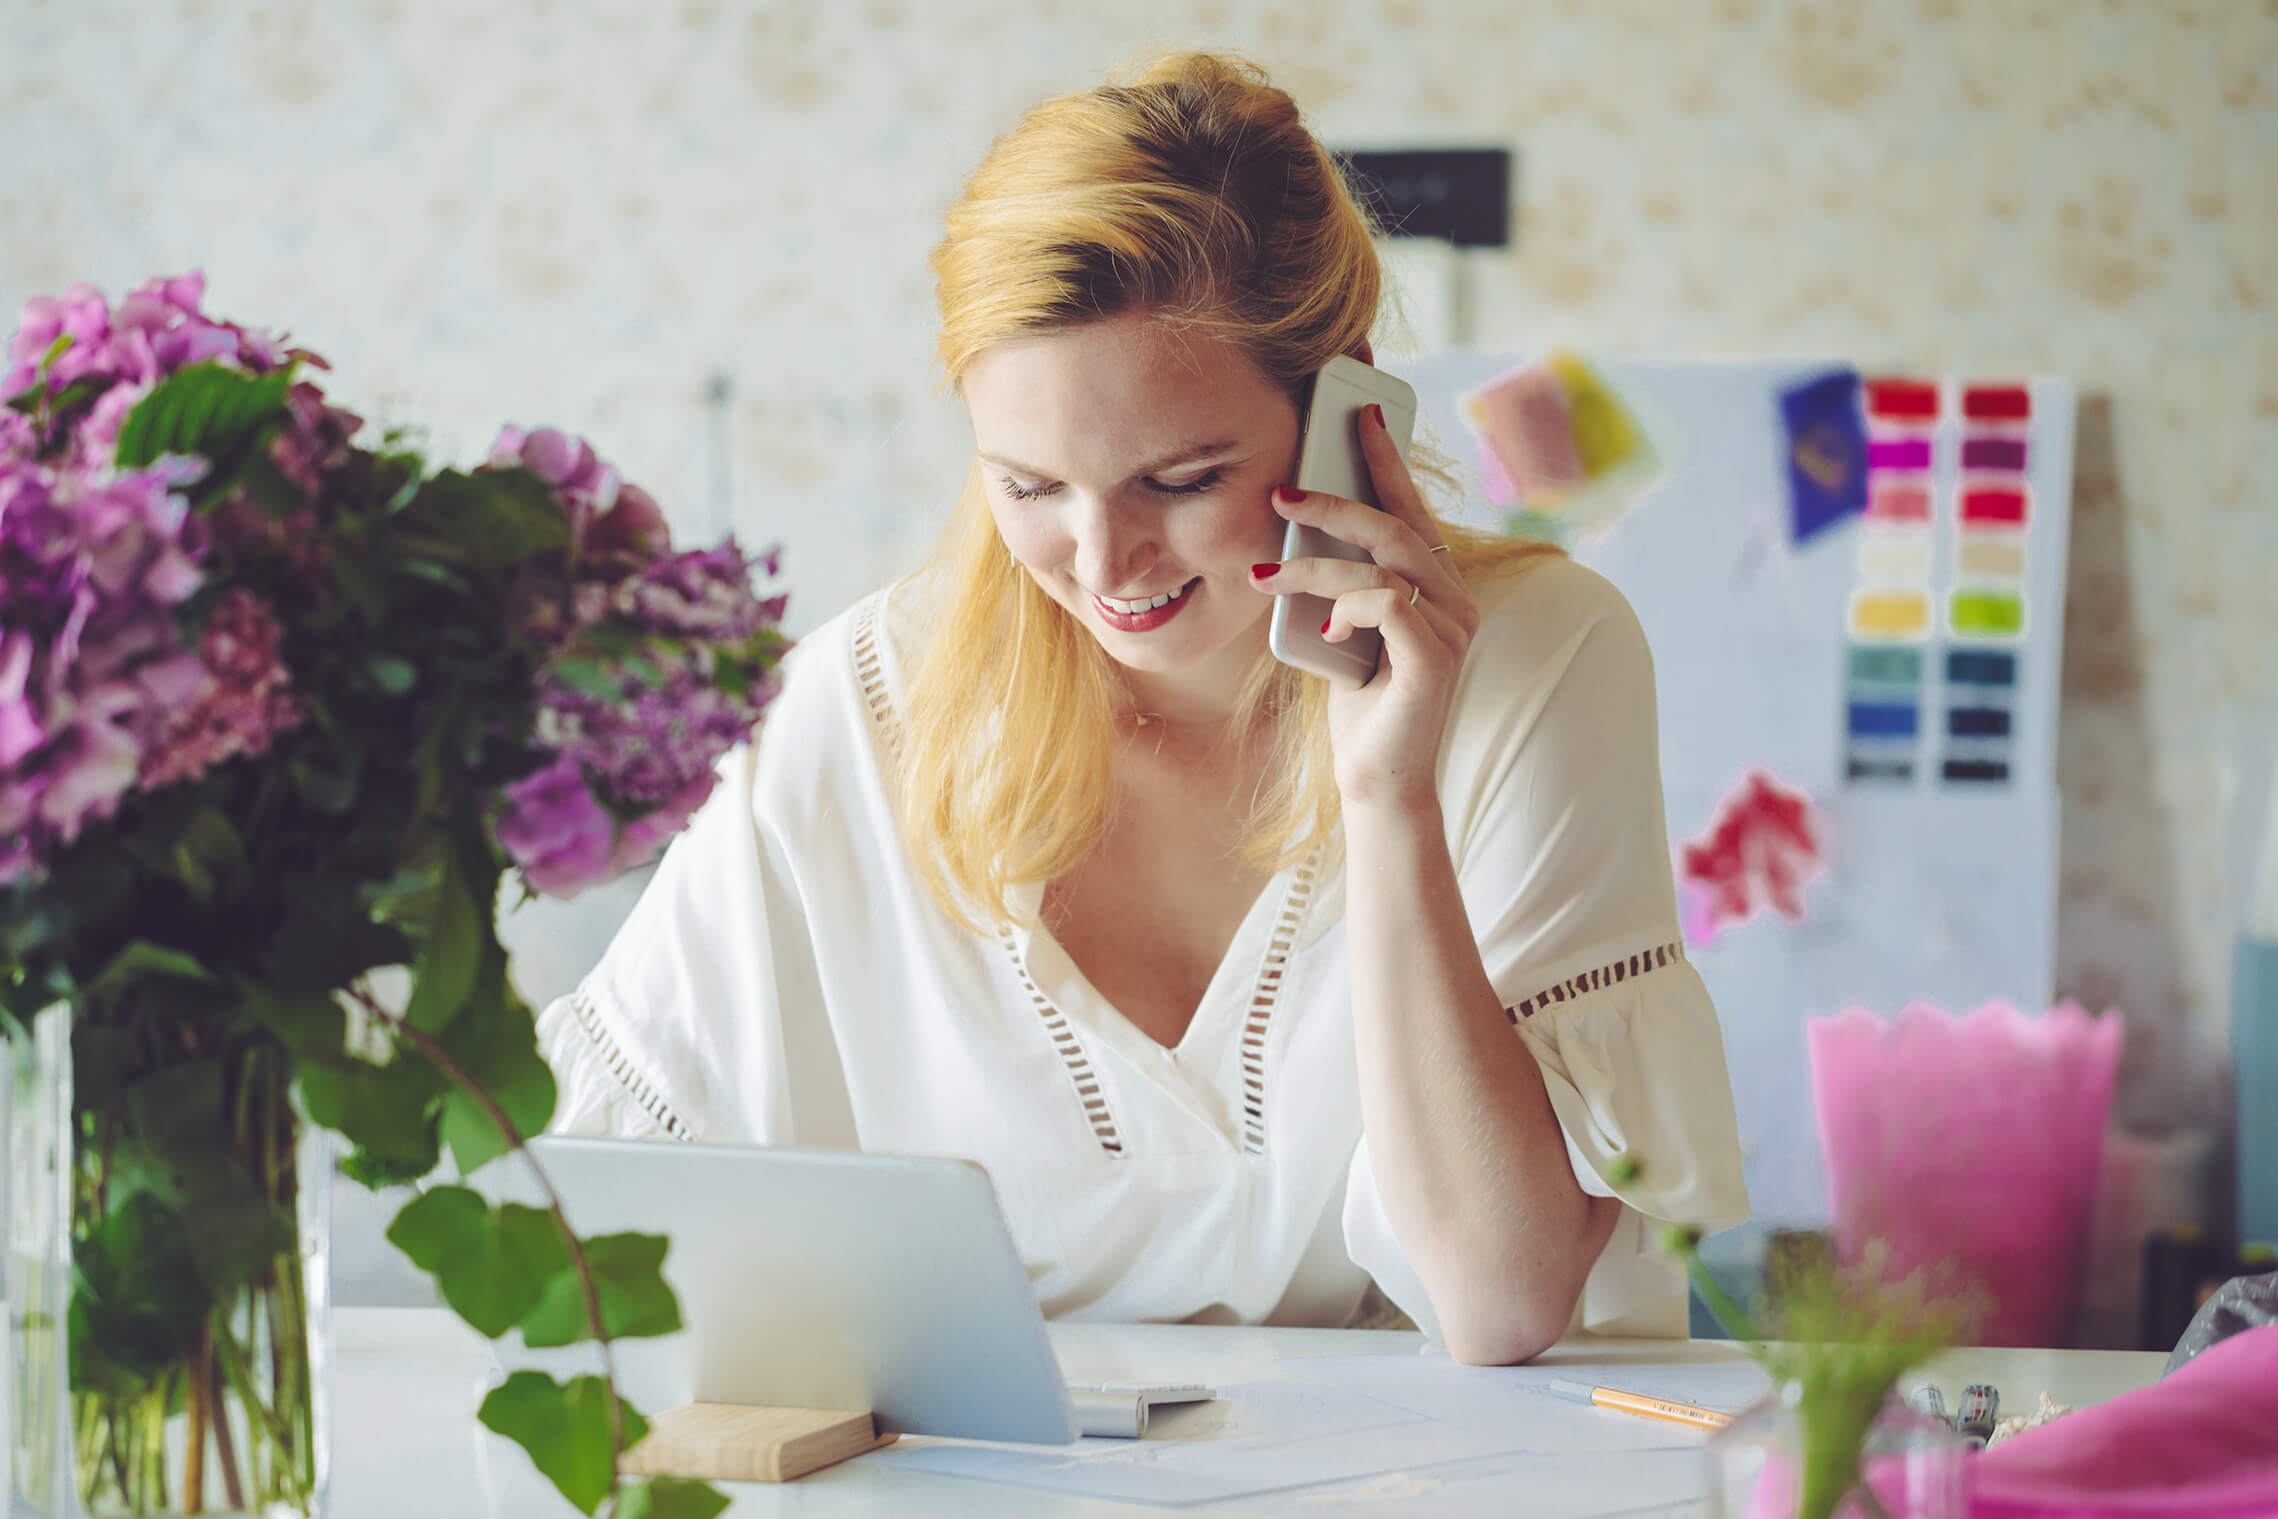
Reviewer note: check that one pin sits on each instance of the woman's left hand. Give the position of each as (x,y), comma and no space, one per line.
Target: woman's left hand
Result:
(1386,733)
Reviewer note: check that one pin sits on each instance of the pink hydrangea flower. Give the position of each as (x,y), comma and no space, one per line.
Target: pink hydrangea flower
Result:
(91,663)
(241,702)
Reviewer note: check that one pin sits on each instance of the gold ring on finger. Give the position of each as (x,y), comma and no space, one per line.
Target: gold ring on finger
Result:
(1440,548)
(1414,591)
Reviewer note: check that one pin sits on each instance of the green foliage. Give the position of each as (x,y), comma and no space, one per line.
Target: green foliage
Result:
(668,1498)
(444,977)
(492,1264)
(388,1112)
(206,409)
(206,934)
(565,1428)
(1842,1337)
(137,1298)
(486,520)
(629,1280)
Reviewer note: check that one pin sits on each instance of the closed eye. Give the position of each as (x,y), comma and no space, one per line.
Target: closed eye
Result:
(1195,487)
(1206,481)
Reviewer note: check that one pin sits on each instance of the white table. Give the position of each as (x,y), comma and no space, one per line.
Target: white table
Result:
(406,1442)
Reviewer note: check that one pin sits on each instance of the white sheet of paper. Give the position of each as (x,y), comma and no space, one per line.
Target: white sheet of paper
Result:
(1516,1401)
(1665,1484)
(1421,1423)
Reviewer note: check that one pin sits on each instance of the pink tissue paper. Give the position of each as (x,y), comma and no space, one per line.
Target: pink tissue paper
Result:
(1968,1148)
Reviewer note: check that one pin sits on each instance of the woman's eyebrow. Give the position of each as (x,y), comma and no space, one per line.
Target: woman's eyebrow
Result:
(1185,453)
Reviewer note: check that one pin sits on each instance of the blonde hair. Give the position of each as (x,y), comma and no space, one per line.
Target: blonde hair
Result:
(1197,195)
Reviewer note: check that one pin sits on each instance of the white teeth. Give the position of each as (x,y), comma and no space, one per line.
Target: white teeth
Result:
(1134,608)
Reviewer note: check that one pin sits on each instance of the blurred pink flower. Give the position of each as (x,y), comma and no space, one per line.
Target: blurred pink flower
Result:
(239,703)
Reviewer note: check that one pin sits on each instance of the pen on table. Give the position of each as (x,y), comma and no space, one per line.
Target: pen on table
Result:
(1638,1403)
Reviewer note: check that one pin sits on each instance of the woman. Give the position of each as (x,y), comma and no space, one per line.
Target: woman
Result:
(1247,993)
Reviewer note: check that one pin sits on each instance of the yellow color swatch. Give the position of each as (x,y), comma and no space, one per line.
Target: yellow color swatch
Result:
(1890,614)
(1606,436)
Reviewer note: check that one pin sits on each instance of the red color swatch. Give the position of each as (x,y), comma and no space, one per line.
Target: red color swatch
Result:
(1997,403)
(1995,506)
(1902,400)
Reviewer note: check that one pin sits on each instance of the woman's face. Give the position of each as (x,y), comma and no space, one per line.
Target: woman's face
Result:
(1127,463)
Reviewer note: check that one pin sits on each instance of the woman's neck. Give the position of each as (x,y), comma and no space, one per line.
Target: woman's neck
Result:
(1204,699)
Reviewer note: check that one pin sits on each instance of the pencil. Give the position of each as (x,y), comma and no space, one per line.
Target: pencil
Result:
(1638,1403)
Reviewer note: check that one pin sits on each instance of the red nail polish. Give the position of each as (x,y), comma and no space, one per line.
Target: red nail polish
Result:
(1325,625)
(1265,571)
(1377,412)
(1288,495)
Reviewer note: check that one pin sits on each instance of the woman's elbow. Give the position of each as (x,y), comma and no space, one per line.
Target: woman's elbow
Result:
(1487,1343)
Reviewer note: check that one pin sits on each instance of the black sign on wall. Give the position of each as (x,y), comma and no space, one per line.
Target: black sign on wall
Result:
(1460,194)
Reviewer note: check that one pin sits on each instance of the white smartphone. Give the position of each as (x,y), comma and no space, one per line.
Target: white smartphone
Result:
(1329,459)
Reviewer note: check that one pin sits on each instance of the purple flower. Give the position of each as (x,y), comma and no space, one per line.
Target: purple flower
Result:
(155,331)
(632,758)
(556,831)
(238,702)
(701,593)
(614,526)
(91,663)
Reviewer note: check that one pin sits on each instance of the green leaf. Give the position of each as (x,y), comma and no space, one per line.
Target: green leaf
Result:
(136,1292)
(628,1278)
(307,1023)
(361,588)
(444,977)
(328,937)
(491,1263)
(565,1428)
(209,856)
(175,1145)
(667,1498)
(205,409)
(327,781)
(386,1111)
(143,958)
(392,673)
(493,518)
(496,1044)
(587,677)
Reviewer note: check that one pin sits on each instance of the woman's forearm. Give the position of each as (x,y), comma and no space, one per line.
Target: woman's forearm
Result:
(1467,1150)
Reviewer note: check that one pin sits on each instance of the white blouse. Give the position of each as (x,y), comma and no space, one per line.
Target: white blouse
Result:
(786,979)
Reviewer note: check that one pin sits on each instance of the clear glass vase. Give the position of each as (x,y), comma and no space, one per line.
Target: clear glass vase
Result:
(1909,1466)
(167,1281)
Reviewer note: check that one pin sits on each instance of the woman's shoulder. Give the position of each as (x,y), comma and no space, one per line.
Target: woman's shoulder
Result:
(1532,619)
(823,727)
(853,659)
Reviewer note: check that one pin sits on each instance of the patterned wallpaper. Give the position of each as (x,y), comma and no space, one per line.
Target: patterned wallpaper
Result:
(583,213)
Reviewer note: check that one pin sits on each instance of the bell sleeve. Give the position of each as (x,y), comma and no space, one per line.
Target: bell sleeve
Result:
(1551,787)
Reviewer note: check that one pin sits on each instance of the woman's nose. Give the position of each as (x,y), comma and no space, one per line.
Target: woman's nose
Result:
(1112,552)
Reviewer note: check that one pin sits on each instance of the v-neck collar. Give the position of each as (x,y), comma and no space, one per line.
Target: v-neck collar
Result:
(1216,1070)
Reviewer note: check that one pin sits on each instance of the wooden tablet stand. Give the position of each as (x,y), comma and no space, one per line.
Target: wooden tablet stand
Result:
(736,1442)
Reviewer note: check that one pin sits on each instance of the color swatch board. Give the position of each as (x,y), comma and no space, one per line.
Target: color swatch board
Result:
(1941,877)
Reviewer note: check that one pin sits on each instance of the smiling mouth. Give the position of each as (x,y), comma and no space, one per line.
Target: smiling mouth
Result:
(1144,603)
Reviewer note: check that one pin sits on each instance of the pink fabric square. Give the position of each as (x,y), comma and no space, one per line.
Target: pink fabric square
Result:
(2202,1442)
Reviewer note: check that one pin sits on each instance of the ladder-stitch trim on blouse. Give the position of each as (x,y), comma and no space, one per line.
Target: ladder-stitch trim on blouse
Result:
(1603,976)
(1262,1002)
(1071,1050)
(620,1067)
(870,674)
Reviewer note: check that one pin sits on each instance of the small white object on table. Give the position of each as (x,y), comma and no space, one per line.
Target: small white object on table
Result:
(407,1382)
